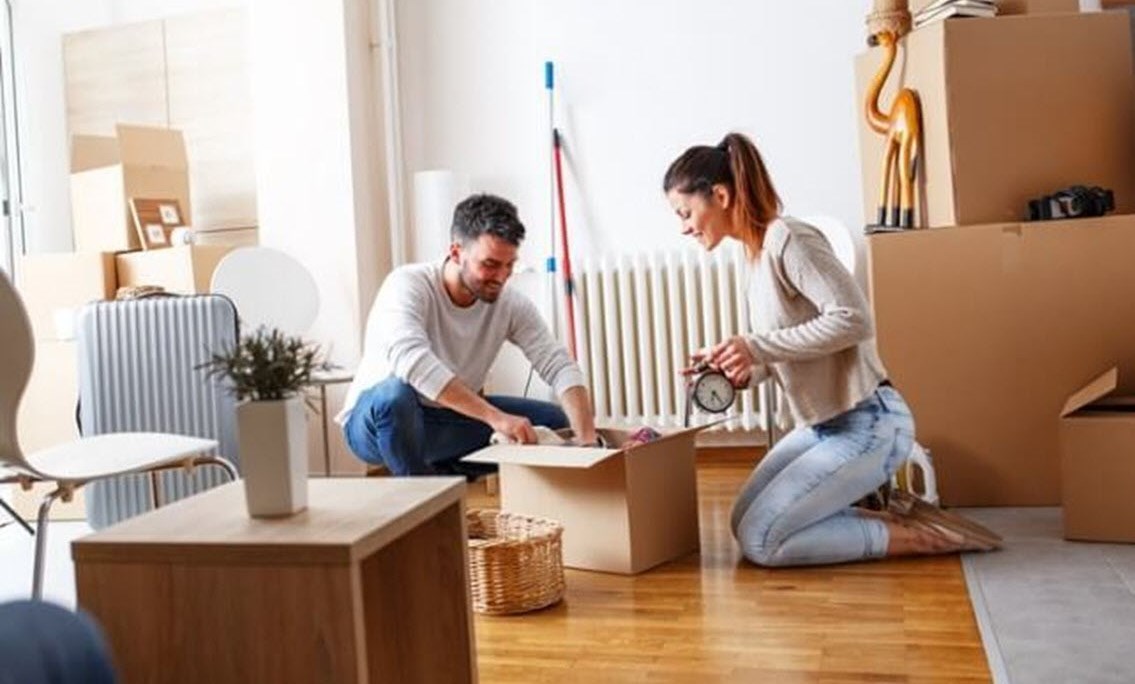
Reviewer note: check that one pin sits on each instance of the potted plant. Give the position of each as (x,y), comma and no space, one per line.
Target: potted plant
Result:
(268,371)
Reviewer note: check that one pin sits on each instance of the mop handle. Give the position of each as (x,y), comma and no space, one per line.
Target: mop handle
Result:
(569,303)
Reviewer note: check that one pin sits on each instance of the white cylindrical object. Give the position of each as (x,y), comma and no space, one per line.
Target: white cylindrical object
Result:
(436,193)
(182,236)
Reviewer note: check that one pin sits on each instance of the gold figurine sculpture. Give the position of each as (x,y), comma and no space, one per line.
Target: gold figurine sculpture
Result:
(901,124)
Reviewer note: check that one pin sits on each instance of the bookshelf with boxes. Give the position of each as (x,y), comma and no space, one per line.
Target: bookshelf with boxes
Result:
(988,322)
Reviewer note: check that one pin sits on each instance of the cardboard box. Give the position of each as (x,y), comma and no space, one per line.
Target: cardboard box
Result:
(998,130)
(47,409)
(106,172)
(1097,462)
(623,511)
(185,269)
(1011,7)
(51,285)
(46,418)
(986,330)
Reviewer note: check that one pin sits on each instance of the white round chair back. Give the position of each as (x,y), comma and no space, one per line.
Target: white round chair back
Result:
(269,288)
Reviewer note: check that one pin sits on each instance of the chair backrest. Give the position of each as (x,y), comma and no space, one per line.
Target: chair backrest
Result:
(17,354)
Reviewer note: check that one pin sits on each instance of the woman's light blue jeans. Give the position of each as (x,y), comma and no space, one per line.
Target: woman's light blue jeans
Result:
(796,508)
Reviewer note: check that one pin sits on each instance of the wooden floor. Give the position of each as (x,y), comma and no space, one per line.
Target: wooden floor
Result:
(715,618)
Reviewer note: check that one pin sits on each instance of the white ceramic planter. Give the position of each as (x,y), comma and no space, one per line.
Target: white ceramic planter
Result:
(273,456)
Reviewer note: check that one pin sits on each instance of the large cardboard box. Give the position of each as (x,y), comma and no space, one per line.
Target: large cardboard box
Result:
(1013,108)
(623,510)
(52,286)
(1097,462)
(142,162)
(46,418)
(986,330)
(185,269)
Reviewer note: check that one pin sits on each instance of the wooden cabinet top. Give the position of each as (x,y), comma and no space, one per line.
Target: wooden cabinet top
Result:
(345,520)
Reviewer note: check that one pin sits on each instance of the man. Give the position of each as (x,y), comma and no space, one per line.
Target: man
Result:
(435,329)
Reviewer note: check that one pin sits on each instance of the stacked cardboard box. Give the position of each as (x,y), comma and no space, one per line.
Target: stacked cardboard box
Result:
(53,287)
(106,173)
(988,325)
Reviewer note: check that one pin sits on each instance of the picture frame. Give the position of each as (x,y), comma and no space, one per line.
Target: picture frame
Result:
(154,220)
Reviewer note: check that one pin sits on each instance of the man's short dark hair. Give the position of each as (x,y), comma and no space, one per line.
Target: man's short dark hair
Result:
(484,214)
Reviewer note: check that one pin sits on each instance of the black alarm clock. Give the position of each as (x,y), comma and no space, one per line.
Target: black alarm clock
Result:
(710,390)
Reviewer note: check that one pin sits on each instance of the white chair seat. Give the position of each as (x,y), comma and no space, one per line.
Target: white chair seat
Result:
(117,453)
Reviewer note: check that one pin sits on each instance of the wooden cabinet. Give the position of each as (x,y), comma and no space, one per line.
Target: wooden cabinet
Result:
(188,72)
(368,584)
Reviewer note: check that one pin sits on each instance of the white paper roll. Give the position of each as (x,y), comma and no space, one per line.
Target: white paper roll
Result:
(436,193)
(182,236)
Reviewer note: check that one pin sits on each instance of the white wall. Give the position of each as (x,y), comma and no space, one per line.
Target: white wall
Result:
(317,154)
(638,81)
(38,28)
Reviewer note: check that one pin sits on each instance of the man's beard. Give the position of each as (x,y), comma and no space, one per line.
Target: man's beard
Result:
(477,288)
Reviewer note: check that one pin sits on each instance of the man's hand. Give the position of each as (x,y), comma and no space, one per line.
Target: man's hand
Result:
(517,428)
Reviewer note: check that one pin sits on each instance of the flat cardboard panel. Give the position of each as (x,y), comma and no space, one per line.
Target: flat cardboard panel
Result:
(182,270)
(49,282)
(1095,390)
(92,151)
(987,330)
(47,410)
(997,132)
(210,99)
(544,456)
(99,213)
(1098,476)
(115,74)
(149,147)
(663,501)
(591,504)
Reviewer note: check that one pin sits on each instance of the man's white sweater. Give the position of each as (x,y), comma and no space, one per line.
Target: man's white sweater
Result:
(416,333)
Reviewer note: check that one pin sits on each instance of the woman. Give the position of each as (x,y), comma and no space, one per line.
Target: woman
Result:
(812,332)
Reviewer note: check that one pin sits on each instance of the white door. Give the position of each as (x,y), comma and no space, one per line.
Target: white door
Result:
(11,218)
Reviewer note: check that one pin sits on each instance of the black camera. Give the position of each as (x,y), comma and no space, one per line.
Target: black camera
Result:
(1074,202)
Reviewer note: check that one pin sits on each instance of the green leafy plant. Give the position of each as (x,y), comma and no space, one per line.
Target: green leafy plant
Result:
(267,365)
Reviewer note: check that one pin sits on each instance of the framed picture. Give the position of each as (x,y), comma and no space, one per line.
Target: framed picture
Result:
(154,220)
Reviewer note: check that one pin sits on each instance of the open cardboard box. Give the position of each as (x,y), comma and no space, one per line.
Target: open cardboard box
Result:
(183,269)
(1097,462)
(623,510)
(141,161)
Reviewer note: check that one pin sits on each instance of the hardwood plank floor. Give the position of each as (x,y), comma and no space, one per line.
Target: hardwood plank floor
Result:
(712,617)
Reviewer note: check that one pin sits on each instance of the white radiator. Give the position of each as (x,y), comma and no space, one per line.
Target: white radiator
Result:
(638,319)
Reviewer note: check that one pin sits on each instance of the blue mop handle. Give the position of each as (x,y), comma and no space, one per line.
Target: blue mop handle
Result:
(549,76)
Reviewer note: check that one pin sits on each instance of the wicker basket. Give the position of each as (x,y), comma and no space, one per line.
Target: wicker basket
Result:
(515,562)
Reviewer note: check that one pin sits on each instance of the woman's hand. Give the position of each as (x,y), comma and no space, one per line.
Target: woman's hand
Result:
(732,357)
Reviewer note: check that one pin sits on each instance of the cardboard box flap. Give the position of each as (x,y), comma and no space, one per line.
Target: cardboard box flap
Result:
(92,152)
(1096,389)
(150,146)
(537,455)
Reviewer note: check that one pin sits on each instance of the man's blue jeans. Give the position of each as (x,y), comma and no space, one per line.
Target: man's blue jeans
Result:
(389,426)
(796,508)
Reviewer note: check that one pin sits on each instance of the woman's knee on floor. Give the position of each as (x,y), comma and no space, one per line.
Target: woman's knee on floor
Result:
(759,543)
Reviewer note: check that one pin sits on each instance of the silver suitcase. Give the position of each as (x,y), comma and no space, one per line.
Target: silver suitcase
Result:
(138,372)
